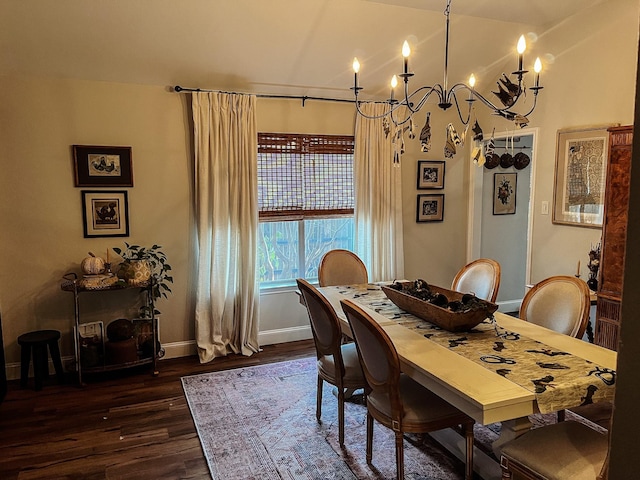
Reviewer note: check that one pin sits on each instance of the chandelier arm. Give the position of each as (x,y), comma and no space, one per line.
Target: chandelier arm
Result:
(455,101)
(436,88)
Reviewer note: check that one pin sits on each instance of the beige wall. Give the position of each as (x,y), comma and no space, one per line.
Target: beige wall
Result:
(591,82)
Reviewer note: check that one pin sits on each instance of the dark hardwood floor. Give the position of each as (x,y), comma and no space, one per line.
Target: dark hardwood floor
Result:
(121,425)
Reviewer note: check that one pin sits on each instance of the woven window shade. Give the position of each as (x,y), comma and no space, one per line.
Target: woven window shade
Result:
(304,175)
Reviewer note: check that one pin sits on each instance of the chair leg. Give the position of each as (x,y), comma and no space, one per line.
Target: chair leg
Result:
(319,399)
(54,349)
(341,416)
(506,473)
(560,416)
(369,438)
(399,455)
(25,358)
(467,429)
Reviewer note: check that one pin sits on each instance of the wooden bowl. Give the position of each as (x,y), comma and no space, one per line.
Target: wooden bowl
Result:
(442,317)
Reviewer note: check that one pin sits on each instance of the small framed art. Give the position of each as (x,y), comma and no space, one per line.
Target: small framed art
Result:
(96,166)
(430,208)
(504,193)
(430,174)
(105,214)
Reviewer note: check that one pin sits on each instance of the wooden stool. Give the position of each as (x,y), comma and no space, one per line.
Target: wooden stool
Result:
(37,342)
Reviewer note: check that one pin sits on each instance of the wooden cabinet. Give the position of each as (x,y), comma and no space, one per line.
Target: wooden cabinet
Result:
(614,234)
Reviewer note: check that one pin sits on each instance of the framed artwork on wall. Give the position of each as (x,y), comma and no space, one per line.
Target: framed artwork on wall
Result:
(430,174)
(430,208)
(504,193)
(105,214)
(96,166)
(580,176)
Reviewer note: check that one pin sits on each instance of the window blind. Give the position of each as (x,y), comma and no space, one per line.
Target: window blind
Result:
(304,175)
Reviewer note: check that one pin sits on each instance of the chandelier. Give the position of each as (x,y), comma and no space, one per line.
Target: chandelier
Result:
(508,94)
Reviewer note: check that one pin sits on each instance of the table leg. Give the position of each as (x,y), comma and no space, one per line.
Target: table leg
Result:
(510,430)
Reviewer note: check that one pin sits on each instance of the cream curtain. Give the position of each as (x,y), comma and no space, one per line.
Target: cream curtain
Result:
(226,198)
(378,206)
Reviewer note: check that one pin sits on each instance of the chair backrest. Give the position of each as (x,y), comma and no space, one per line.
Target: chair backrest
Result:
(341,267)
(325,325)
(481,277)
(378,356)
(560,303)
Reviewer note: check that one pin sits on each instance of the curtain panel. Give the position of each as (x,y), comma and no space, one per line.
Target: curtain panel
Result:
(378,202)
(226,199)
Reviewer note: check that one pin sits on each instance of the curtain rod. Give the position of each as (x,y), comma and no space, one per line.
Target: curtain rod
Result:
(304,98)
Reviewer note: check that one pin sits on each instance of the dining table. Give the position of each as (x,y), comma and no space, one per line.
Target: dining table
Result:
(502,370)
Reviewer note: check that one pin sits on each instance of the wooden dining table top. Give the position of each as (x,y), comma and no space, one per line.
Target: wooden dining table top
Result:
(479,391)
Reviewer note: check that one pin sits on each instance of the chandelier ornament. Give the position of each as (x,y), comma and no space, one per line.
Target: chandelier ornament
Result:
(509,92)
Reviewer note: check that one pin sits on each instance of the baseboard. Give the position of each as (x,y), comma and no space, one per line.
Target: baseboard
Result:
(282,335)
(509,306)
(180,349)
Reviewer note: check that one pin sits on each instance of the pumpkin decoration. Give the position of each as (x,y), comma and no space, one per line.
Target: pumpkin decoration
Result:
(92,265)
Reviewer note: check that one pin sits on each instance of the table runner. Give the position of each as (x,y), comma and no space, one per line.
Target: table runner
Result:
(558,379)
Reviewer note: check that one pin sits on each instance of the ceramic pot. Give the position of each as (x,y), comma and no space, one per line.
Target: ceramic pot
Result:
(137,272)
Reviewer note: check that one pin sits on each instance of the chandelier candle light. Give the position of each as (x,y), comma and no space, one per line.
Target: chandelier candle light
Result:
(508,93)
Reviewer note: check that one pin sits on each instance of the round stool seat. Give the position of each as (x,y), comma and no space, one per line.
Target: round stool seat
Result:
(36,343)
(40,336)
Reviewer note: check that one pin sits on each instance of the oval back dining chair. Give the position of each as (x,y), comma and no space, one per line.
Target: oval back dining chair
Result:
(560,303)
(480,277)
(338,363)
(394,399)
(341,267)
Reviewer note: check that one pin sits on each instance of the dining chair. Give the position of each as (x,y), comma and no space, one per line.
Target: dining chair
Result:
(480,277)
(394,399)
(560,303)
(566,450)
(338,363)
(341,267)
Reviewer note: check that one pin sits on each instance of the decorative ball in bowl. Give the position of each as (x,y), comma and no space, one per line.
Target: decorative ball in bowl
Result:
(450,310)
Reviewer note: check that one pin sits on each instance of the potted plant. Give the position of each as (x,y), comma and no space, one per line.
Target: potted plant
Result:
(146,267)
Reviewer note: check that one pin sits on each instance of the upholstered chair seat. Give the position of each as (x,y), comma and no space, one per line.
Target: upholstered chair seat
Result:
(561,451)
(352,371)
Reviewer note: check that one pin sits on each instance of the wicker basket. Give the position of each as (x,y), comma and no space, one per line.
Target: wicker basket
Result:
(442,317)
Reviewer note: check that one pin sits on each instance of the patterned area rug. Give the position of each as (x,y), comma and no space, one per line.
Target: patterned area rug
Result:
(259,423)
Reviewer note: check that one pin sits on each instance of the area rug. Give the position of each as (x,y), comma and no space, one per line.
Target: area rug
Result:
(260,423)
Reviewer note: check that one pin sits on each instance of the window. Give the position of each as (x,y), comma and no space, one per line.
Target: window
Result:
(305,197)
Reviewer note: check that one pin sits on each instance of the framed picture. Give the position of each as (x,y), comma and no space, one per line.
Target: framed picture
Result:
(105,214)
(581,168)
(91,344)
(102,166)
(430,208)
(430,174)
(504,193)
(143,335)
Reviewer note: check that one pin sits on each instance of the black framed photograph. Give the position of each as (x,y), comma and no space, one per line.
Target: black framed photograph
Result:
(105,214)
(430,208)
(97,166)
(504,193)
(430,174)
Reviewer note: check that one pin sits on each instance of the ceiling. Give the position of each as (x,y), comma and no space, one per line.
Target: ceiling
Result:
(295,47)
